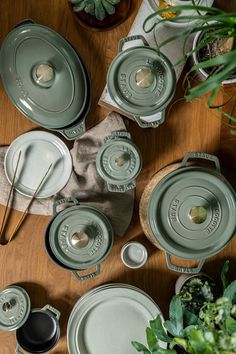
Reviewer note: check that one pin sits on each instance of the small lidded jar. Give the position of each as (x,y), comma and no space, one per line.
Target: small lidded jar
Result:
(119,162)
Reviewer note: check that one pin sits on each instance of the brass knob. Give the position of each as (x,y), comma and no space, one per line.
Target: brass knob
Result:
(80,239)
(198,214)
(144,77)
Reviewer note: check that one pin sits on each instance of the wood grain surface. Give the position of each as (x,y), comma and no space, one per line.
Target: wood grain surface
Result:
(189,127)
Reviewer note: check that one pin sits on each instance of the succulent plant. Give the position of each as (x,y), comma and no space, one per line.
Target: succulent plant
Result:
(98,8)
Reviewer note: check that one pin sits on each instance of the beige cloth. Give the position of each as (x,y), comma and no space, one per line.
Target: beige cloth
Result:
(84,183)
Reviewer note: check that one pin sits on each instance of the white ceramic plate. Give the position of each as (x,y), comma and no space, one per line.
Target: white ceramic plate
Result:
(108,318)
(38,150)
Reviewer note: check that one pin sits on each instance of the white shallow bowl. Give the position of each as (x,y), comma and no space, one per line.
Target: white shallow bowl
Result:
(134,255)
(153,5)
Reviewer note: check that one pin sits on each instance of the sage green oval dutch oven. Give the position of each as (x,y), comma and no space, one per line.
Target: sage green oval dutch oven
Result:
(119,162)
(79,237)
(191,212)
(37,330)
(45,78)
(141,81)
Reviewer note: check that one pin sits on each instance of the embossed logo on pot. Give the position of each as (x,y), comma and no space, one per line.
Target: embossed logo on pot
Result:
(214,221)
(123,86)
(173,210)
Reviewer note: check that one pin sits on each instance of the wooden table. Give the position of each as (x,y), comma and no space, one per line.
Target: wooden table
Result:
(190,126)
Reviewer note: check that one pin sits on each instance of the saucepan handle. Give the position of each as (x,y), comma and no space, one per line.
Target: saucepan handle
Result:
(129,39)
(202,156)
(88,276)
(121,188)
(181,269)
(27,21)
(54,311)
(63,201)
(17,351)
(118,134)
(154,124)
(74,133)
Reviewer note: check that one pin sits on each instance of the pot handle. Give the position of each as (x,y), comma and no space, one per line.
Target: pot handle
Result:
(122,187)
(51,309)
(203,156)
(129,39)
(88,276)
(62,201)
(118,134)
(74,133)
(17,351)
(181,269)
(150,124)
(24,22)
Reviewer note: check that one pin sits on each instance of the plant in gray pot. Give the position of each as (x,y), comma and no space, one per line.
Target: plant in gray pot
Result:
(211,331)
(195,290)
(213,52)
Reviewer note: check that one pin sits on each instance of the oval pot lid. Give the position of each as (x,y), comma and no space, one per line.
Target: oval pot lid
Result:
(43,75)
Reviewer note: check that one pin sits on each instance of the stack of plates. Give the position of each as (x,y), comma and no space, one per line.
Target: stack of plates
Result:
(108,318)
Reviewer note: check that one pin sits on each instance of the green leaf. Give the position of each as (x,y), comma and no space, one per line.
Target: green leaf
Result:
(198,343)
(190,318)
(224,273)
(158,329)
(151,339)
(140,347)
(230,325)
(110,9)
(175,324)
(230,291)
(113,2)
(99,11)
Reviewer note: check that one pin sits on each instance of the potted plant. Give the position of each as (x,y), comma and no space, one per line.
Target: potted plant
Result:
(195,290)
(213,51)
(212,331)
(100,14)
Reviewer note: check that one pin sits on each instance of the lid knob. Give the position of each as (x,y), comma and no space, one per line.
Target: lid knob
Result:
(43,74)
(7,306)
(121,160)
(80,239)
(198,214)
(144,77)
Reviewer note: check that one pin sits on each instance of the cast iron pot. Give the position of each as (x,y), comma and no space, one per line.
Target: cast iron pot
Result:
(142,82)
(190,211)
(78,238)
(45,78)
(37,330)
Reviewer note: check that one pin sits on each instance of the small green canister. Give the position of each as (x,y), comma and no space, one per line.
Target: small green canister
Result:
(119,162)
(142,82)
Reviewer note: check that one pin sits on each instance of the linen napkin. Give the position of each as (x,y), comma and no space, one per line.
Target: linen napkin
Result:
(84,183)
